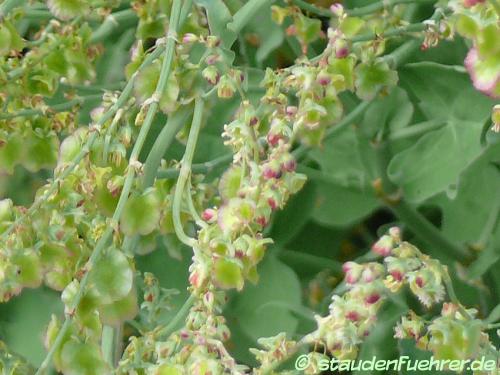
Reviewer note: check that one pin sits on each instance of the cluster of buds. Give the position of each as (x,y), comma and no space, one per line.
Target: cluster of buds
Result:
(351,316)
(407,265)
(450,336)
(478,22)
(275,350)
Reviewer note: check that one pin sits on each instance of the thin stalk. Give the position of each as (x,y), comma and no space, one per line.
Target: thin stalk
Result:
(109,133)
(313,9)
(167,330)
(8,5)
(111,23)
(355,12)
(202,168)
(185,172)
(59,107)
(496,6)
(246,13)
(163,141)
(101,244)
(416,130)
(379,5)
(192,209)
(107,344)
(397,31)
(453,295)
(122,99)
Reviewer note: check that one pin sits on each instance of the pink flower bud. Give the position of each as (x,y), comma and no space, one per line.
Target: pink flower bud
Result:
(253,121)
(342,52)
(262,221)
(372,298)
(189,38)
(291,110)
(352,316)
(383,246)
(471,3)
(209,214)
(419,281)
(337,9)
(273,139)
(290,165)
(347,266)
(397,275)
(272,203)
(270,173)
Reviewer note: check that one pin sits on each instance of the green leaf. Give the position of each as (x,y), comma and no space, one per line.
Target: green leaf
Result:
(290,221)
(435,161)
(481,179)
(23,321)
(78,358)
(141,214)
(255,310)
(391,112)
(218,18)
(112,276)
(120,310)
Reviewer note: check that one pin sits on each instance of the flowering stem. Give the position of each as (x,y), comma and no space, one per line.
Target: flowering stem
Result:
(163,141)
(101,244)
(356,12)
(111,23)
(416,129)
(452,294)
(168,329)
(60,107)
(8,5)
(496,6)
(379,5)
(246,13)
(122,99)
(185,172)
(397,31)
(203,168)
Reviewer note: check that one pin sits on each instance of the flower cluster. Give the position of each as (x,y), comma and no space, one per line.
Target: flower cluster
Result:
(450,336)
(479,22)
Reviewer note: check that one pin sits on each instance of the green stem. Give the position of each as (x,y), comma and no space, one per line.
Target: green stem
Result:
(60,107)
(107,344)
(122,99)
(111,23)
(397,31)
(355,12)
(496,6)
(246,13)
(163,142)
(453,295)
(185,172)
(202,168)
(101,244)
(313,9)
(415,130)
(379,5)
(8,5)
(174,323)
